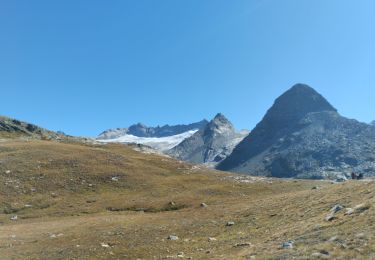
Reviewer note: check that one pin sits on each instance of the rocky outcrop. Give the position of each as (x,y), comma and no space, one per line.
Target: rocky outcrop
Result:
(10,128)
(303,136)
(16,127)
(211,144)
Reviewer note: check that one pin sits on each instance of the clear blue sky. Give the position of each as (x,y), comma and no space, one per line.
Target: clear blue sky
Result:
(85,66)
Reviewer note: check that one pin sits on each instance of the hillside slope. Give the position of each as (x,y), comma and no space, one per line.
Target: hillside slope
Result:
(87,201)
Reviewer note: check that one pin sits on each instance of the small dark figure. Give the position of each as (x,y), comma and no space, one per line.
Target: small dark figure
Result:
(354,176)
(360,176)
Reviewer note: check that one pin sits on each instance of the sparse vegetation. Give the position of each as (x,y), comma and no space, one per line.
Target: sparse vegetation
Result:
(69,205)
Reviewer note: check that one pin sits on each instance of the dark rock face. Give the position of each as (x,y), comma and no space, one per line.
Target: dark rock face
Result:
(372,123)
(14,126)
(211,144)
(303,136)
(142,130)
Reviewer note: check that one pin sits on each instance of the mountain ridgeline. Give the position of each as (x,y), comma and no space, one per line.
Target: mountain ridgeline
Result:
(302,135)
(142,130)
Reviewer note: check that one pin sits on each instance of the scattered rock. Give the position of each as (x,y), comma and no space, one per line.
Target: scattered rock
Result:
(320,255)
(180,254)
(115,178)
(349,211)
(212,239)
(105,245)
(55,236)
(361,207)
(360,235)
(330,217)
(288,244)
(7,171)
(336,208)
(173,237)
(333,239)
(172,203)
(203,205)
(242,244)
(230,223)
(315,188)
(14,218)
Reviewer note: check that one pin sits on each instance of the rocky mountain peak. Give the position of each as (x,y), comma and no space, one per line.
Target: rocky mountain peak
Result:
(302,135)
(288,110)
(281,119)
(220,117)
(211,144)
(219,125)
(297,102)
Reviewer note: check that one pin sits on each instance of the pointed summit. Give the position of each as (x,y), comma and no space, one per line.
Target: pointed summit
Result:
(219,124)
(281,118)
(211,144)
(298,101)
(220,117)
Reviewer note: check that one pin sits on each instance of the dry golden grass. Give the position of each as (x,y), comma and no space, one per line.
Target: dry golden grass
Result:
(69,207)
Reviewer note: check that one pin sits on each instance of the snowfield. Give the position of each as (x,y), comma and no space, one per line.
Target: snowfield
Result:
(161,144)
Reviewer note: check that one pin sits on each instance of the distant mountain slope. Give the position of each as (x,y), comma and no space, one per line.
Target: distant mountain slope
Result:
(302,135)
(142,130)
(373,123)
(211,144)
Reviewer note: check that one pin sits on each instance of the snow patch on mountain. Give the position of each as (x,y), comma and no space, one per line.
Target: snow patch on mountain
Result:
(158,143)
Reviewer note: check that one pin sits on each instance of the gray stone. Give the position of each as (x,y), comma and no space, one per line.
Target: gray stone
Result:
(245,244)
(349,211)
(288,245)
(203,205)
(330,217)
(336,208)
(173,237)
